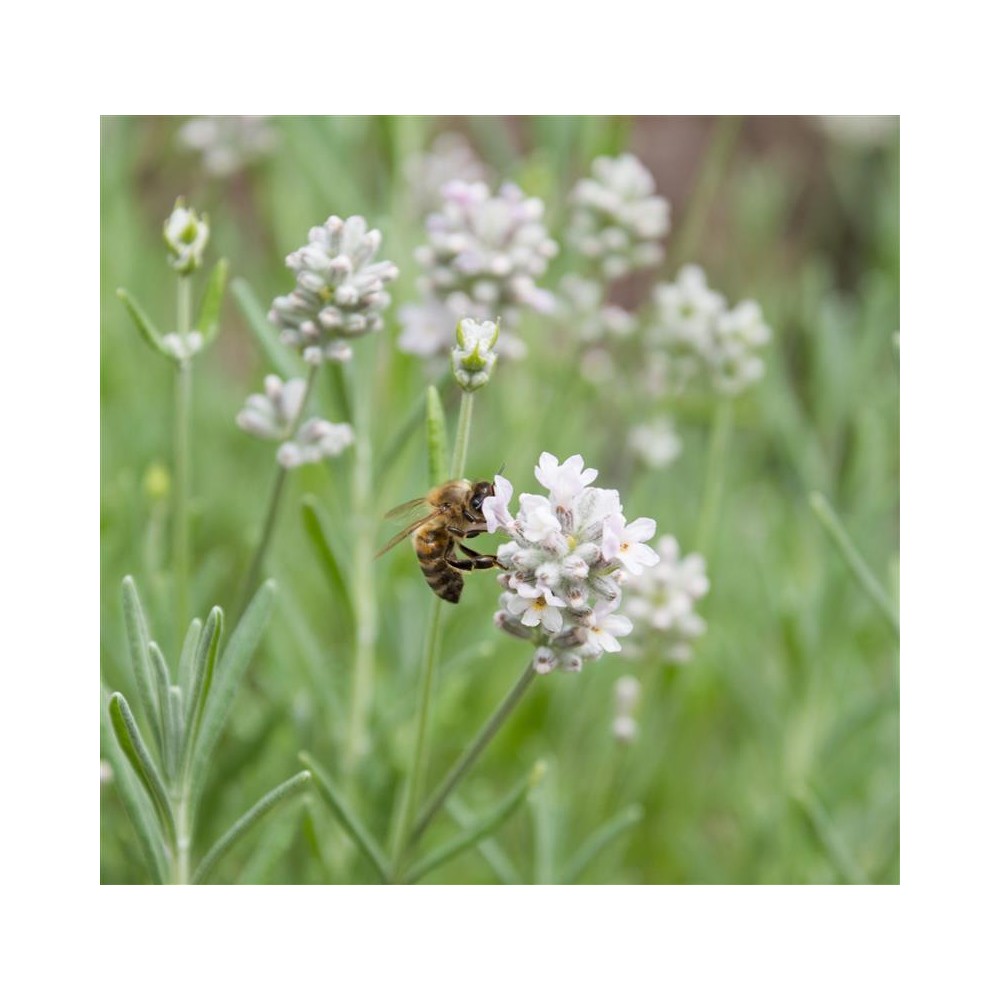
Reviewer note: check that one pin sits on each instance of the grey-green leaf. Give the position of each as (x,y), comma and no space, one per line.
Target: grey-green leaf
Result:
(134,799)
(161,673)
(248,821)
(278,356)
(138,644)
(322,543)
(494,855)
(185,671)
(211,302)
(204,670)
(233,665)
(131,742)
(437,438)
(348,818)
(477,831)
(144,324)
(600,839)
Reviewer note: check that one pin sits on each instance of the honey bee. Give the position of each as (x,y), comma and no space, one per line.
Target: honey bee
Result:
(455,513)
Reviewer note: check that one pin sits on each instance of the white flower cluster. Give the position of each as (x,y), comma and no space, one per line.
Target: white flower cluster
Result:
(186,236)
(624,728)
(473,359)
(582,308)
(663,601)
(450,158)
(704,344)
(482,257)
(340,290)
(617,220)
(274,415)
(227,143)
(563,567)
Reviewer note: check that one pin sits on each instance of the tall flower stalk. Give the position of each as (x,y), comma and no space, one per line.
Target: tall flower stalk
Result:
(182,452)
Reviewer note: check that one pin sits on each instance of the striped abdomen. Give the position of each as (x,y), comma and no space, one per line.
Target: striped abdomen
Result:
(434,544)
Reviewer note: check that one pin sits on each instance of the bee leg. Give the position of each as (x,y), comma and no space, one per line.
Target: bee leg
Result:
(478,530)
(476,560)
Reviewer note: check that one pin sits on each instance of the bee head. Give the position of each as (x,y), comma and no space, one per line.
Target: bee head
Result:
(480,491)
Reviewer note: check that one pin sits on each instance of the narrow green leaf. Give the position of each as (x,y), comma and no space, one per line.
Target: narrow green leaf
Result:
(476,832)
(233,665)
(132,745)
(826,835)
(137,804)
(185,670)
(348,819)
(494,855)
(138,643)
(543,815)
(211,302)
(321,539)
(161,673)
(600,839)
(855,561)
(437,438)
(248,821)
(144,325)
(204,670)
(279,357)
(175,732)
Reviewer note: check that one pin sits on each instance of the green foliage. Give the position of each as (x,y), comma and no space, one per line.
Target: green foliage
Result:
(772,757)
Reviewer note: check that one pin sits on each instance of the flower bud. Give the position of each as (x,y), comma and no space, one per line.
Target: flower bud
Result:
(186,236)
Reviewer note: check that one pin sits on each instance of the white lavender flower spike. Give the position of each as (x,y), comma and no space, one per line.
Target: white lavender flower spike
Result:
(624,728)
(340,290)
(699,343)
(272,415)
(618,221)
(563,566)
(450,158)
(482,258)
(315,440)
(656,443)
(186,235)
(662,601)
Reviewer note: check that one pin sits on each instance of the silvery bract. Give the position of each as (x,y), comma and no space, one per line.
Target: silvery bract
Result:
(563,567)
(617,220)
(186,236)
(661,601)
(340,290)
(227,143)
(483,255)
(698,343)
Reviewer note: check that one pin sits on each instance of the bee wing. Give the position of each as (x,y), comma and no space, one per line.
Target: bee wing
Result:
(405,533)
(410,507)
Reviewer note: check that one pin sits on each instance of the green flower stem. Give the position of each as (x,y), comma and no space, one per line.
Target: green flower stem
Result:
(462,435)
(472,752)
(271,518)
(182,459)
(855,561)
(365,597)
(432,650)
(600,839)
(711,497)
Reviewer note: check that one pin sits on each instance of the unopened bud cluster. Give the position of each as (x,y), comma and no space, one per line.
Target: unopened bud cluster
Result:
(702,344)
(564,565)
(474,357)
(340,290)
(186,235)
(274,415)
(483,255)
(618,222)
(662,601)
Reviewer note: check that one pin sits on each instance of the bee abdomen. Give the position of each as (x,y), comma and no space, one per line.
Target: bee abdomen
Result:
(432,547)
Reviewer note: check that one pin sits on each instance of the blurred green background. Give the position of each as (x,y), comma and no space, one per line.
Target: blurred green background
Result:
(774,755)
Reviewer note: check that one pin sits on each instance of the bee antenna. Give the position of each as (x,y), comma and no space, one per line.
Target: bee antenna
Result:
(502,467)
